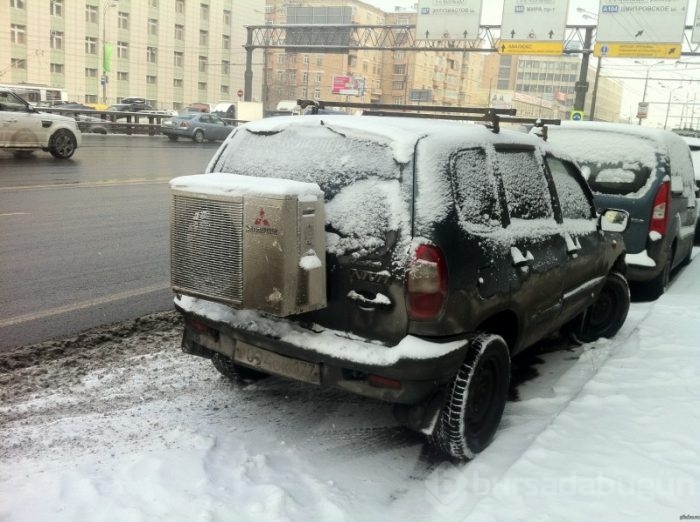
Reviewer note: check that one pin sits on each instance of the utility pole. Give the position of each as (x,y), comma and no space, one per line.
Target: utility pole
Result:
(581,87)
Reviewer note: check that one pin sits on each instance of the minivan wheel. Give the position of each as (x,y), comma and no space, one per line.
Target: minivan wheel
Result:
(605,317)
(235,372)
(475,400)
(198,136)
(62,144)
(657,286)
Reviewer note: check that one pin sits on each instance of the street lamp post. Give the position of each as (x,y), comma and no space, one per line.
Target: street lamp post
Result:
(646,81)
(668,104)
(104,79)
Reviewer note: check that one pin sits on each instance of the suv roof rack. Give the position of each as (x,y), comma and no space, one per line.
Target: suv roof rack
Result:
(492,117)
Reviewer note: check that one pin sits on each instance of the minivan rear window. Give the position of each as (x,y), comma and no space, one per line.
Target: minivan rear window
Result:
(613,163)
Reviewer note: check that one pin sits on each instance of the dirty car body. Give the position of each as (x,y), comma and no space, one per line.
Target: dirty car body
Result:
(435,232)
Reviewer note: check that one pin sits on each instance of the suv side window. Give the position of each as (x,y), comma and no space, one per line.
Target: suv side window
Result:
(525,186)
(574,202)
(474,189)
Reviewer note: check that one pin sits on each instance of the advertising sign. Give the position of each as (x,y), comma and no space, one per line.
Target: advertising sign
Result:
(695,37)
(348,85)
(640,28)
(448,19)
(533,27)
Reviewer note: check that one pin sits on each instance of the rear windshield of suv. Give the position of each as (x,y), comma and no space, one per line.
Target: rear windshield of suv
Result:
(613,163)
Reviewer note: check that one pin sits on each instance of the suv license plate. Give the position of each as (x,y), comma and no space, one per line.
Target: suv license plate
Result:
(271,362)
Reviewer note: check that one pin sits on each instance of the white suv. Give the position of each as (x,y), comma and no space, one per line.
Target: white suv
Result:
(23,128)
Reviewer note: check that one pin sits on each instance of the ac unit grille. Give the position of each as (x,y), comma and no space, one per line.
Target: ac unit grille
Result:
(206,252)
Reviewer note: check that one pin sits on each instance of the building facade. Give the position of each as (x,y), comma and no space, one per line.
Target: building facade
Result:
(171,52)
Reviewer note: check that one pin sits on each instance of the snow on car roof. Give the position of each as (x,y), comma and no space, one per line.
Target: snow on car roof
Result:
(400,133)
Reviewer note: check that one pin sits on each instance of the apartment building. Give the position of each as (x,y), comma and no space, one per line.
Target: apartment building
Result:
(171,52)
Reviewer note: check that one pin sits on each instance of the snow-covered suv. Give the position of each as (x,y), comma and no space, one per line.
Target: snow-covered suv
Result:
(24,129)
(396,258)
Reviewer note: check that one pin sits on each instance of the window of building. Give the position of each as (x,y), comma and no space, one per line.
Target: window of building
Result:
(204,12)
(179,59)
(56,40)
(397,85)
(304,92)
(225,67)
(123,20)
(18,63)
(179,32)
(18,34)
(292,75)
(90,72)
(203,37)
(306,59)
(90,45)
(56,7)
(178,83)
(225,89)
(227,17)
(122,76)
(202,86)
(305,77)
(57,68)
(400,68)
(122,50)
(352,61)
(151,54)
(399,56)
(280,59)
(365,66)
(319,59)
(151,80)
(317,93)
(17,4)
(91,14)
(180,6)
(226,41)
(319,77)
(153,27)
(202,64)
(91,98)
(280,76)
(154,3)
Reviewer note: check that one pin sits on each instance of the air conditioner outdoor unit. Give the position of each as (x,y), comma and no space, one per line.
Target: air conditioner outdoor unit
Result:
(250,243)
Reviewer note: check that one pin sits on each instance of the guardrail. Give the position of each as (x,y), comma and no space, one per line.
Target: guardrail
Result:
(115,122)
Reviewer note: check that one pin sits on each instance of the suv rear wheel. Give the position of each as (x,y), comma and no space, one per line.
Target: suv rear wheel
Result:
(234,371)
(475,400)
(605,317)
(62,144)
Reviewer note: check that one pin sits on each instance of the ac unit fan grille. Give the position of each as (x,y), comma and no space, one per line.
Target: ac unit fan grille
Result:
(206,253)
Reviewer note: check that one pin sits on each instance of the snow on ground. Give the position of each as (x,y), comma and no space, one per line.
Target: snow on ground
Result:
(119,425)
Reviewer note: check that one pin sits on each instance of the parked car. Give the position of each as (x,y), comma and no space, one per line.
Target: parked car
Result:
(93,124)
(196,126)
(401,259)
(24,129)
(649,173)
(129,107)
(694,144)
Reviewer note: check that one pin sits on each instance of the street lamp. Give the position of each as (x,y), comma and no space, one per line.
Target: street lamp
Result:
(668,104)
(104,79)
(646,81)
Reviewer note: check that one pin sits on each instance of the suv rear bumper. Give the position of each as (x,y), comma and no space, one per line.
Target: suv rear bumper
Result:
(407,373)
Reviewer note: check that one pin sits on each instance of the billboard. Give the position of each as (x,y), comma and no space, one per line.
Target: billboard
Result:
(448,19)
(348,85)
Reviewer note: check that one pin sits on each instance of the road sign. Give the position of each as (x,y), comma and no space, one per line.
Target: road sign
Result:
(539,48)
(647,28)
(240,93)
(638,50)
(642,110)
(536,20)
(576,115)
(448,19)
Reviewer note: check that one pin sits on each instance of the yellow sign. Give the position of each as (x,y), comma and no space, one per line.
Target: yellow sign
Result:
(540,47)
(637,50)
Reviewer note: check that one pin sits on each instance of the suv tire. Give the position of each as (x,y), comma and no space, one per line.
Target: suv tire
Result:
(62,144)
(605,317)
(475,400)
(235,372)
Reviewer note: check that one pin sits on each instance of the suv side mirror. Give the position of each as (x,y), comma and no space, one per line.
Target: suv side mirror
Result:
(613,220)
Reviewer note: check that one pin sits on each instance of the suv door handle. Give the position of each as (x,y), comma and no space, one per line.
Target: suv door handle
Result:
(519,259)
(573,245)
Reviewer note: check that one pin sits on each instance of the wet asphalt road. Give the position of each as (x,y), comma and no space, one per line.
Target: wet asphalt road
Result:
(84,242)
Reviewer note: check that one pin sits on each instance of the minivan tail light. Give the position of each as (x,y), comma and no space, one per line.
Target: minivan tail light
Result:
(426,282)
(659,214)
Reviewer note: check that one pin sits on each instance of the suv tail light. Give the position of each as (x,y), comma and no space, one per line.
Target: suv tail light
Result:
(659,214)
(426,282)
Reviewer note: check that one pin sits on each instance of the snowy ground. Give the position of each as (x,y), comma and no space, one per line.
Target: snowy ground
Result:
(119,425)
